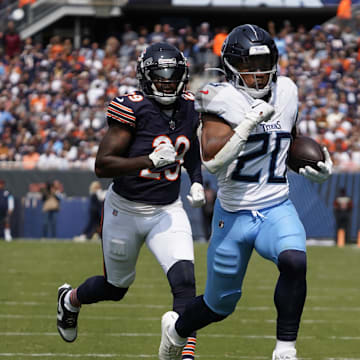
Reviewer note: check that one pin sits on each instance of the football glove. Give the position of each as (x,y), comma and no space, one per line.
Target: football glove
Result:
(325,169)
(197,195)
(163,154)
(260,112)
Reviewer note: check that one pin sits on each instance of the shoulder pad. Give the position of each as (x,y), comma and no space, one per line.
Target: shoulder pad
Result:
(207,95)
(223,100)
(121,110)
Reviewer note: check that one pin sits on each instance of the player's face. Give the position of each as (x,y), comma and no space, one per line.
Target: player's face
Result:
(165,86)
(255,72)
(166,80)
(259,80)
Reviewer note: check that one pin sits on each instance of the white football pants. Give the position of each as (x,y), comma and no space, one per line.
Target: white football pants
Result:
(127,225)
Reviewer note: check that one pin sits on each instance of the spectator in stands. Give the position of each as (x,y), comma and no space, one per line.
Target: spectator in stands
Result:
(40,80)
(11,41)
(204,55)
(30,158)
(129,34)
(220,36)
(50,208)
(156,35)
(343,206)
(96,200)
(6,209)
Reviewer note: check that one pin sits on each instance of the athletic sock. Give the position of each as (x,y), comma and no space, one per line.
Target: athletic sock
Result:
(70,299)
(282,345)
(189,349)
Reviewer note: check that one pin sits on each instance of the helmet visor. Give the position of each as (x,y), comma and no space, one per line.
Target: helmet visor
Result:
(252,63)
(166,74)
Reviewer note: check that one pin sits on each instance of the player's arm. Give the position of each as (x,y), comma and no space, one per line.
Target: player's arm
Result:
(215,133)
(111,160)
(192,163)
(221,144)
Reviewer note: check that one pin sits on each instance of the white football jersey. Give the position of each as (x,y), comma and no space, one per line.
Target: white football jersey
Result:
(258,177)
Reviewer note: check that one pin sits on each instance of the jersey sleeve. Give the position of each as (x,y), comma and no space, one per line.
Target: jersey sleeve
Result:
(223,100)
(119,111)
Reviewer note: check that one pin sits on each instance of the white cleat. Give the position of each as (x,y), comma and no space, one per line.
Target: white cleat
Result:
(288,354)
(169,348)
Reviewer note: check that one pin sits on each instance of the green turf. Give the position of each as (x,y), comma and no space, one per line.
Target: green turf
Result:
(31,271)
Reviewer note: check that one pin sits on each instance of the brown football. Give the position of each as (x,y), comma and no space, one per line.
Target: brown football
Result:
(304,151)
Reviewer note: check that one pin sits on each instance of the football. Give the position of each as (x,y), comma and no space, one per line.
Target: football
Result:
(304,151)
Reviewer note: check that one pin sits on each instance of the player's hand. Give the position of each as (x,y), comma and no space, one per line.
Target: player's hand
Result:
(325,169)
(197,195)
(260,112)
(163,154)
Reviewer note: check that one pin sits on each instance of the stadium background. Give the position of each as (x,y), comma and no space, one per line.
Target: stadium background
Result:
(98,20)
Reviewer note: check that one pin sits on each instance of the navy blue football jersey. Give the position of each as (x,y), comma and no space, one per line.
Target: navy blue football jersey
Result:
(151,126)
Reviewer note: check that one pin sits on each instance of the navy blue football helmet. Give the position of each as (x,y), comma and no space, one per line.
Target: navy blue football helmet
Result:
(250,50)
(162,72)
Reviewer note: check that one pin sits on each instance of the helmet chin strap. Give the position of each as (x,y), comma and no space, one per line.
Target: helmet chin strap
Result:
(165,100)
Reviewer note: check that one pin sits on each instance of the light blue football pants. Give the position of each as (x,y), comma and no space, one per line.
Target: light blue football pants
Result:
(234,236)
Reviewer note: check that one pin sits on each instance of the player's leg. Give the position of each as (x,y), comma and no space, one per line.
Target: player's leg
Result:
(282,239)
(228,256)
(121,245)
(170,240)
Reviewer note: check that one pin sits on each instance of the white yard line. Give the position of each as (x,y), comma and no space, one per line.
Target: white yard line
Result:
(149,306)
(124,334)
(144,356)
(116,318)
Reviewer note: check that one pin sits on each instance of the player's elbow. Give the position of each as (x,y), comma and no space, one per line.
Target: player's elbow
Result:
(99,168)
(212,166)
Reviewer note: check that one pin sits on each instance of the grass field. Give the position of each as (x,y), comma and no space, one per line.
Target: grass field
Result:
(31,271)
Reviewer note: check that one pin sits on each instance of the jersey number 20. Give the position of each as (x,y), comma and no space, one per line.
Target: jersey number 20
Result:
(182,145)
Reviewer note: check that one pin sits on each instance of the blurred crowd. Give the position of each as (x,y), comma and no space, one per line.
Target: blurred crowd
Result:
(53,96)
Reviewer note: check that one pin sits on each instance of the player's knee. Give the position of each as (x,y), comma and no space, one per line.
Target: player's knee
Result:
(225,304)
(292,263)
(182,279)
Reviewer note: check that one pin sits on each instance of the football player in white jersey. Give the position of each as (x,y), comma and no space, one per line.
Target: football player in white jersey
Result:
(151,136)
(247,126)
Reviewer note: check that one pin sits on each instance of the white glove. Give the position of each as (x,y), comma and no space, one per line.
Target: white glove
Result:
(197,195)
(325,169)
(260,112)
(163,154)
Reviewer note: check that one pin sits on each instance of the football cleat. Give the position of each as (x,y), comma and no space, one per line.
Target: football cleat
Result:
(169,349)
(66,319)
(287,354)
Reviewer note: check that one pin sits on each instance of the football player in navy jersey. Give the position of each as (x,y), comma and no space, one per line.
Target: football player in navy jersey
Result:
(248,122)
(151,135)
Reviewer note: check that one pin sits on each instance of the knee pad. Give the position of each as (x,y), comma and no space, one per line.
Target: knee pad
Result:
(292,263)
(226,262)
(181,278)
